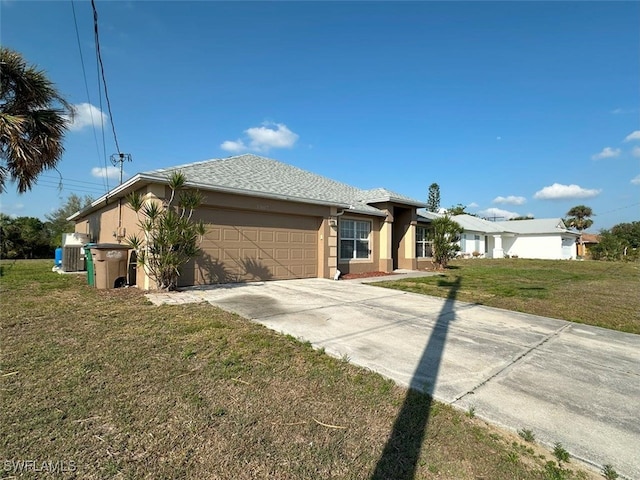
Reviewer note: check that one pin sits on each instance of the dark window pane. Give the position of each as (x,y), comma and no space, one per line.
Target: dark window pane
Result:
(362,249)
(346,248)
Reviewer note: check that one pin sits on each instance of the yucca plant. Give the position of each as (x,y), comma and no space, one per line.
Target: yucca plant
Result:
(445,234)
(170,237)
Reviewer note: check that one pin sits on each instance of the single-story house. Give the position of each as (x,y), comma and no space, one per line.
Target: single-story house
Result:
(269,220)
(544,238)
(585,242)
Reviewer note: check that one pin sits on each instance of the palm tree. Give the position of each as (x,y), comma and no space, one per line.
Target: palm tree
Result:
(579,218)
(33,120)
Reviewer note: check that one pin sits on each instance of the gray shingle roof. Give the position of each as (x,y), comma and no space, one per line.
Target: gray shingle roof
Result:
(252,174)
(520,227)
(537,225)
(476,224)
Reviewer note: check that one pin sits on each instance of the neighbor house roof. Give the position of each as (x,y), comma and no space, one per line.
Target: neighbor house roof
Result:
(477,224)
(511,227)
(533,226)
(590,238)
(264,177)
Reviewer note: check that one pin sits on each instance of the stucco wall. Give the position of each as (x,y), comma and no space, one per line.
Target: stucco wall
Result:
(363,265)
(547,247)
(468,243)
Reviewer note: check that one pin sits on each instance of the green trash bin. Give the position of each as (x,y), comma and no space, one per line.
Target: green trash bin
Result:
(88,261)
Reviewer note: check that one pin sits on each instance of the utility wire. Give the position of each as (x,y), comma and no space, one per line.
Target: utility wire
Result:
(104,143)
(95,185)
(617,209)
(101,68)
(86,86)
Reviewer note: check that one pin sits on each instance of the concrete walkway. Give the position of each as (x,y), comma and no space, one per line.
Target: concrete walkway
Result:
(568,383)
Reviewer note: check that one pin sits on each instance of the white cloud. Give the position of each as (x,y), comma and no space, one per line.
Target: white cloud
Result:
(473,205)
(498,213)
(557,191)
(632,136)
(635,151)
(607,152)
(510,200)
(230,146)
(86,115)
(263,139)
(108,172)
(636,180)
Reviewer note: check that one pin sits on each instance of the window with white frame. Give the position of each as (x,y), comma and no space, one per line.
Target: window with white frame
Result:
(354,239)
(423,244)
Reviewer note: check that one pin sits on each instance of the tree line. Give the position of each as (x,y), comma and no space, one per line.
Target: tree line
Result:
(30,237)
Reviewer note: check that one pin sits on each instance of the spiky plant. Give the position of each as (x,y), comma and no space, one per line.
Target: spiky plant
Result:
(170,237)
(445,233)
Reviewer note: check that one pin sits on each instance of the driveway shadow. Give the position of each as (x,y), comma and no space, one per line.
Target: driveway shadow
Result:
(402,451)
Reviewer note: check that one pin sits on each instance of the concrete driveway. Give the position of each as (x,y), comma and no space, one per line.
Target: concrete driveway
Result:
(566,382)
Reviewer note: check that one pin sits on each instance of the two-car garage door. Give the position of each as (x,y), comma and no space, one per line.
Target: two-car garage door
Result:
(241,245)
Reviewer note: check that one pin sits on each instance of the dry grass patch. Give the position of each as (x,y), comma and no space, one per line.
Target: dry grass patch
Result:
(124,389)
(604,294)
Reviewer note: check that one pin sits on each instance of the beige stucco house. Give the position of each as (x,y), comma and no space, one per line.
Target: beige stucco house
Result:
(269,220)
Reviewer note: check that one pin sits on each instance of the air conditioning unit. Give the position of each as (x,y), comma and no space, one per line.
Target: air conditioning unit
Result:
(73,252)
(73,258)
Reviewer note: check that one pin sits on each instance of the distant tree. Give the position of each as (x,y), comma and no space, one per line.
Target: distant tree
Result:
(628,232)
(610,247)
(433,203)
(579,218)
(24,237)
(458,209)
(33,120)
(170,237)
(57,221)
(445,233)
(522,218)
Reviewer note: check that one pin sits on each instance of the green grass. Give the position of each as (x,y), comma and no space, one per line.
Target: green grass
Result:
(119,388)
(605,294)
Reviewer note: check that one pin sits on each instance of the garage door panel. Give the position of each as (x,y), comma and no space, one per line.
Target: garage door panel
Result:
(230,253)
(259,246)
(230,235)
(250,253)
(251,235)
(282,254)
(266,236)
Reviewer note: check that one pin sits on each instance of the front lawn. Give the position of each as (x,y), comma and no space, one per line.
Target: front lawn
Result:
(606,294)
(102,384)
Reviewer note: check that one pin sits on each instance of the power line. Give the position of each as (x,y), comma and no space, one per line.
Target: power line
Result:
(86,86)
(618,209)
(104,80)
(72,180)
(73,189)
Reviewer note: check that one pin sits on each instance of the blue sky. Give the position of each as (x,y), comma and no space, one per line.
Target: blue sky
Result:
(511,107)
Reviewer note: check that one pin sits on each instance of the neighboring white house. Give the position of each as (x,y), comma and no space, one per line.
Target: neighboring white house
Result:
(545,238)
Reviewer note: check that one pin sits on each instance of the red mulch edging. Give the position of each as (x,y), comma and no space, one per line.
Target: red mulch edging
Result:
(351,276)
